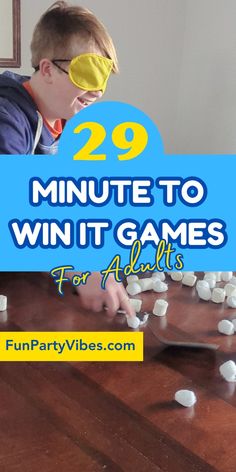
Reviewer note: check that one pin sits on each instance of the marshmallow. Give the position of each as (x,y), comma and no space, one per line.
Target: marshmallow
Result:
(210,277)
(204,293)
(176,276)
(231,301)
(160,307)
(233,280)
(226,276)
(229,289)
(185,397)
(234,323)
(226,327)
(218,276)
(189,279)
(158,275)
(136,304)
(146,284)
(3,302)
(228,371)
(202,283)
(132,278)
(218,295)
(133,321)
(159,286)
(133,289)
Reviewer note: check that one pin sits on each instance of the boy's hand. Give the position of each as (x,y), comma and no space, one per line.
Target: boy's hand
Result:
(94,298)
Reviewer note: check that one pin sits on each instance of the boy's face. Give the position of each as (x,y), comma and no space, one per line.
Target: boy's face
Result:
(66,98)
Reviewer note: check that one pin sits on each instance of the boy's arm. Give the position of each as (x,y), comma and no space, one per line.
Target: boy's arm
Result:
(13,134)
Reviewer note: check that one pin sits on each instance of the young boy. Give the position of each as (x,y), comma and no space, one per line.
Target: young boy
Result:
(33,110)
(73,56)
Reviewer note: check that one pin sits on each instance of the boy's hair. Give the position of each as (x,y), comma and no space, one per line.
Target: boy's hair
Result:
(62,26)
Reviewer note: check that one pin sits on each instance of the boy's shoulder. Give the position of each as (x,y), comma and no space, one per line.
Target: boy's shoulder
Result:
(19,118)
(17,113)
(12,91)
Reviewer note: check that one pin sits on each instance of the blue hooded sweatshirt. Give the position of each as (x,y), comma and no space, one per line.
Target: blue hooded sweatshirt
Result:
(22,130)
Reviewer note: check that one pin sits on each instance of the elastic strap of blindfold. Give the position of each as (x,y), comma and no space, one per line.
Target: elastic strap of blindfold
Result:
(54,61)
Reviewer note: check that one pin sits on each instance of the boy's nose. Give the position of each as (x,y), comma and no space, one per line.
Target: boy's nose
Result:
(95,95)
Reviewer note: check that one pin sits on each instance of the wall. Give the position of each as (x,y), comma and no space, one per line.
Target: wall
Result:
(177,61)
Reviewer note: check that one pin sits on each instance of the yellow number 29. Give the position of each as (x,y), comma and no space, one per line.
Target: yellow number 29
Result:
(135,145)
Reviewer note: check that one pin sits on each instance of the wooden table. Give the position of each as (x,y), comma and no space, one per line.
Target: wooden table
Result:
(116,416)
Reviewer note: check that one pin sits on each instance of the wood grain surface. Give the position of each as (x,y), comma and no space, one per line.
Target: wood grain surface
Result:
(69,417)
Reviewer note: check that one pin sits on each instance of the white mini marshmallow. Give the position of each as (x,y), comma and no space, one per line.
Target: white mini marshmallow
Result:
(132,278)
(212,283)
(233,280)
(226,327)
(136,304)
(186,398)
(3,302)
(218,295)
(228,371)
(159,286)
(159,275)
(176,276)
(211,279)
(231,301)
(160,307)
(210,275)
(234,323)
(226,276)
(146,284)
(133,321)
(133,289)
(229,289)
(189,279)
(202,283)
(218,276)
(204,293)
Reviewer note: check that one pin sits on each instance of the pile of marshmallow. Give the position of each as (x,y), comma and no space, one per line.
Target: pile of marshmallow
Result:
(136,286)
(157,283)
(208,291)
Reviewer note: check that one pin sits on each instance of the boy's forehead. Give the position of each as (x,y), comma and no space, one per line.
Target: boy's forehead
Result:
(85,47)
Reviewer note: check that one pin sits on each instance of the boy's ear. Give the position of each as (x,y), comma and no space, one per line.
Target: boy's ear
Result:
(46,69)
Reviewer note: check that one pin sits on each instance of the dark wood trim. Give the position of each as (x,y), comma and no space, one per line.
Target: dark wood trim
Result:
(14,61)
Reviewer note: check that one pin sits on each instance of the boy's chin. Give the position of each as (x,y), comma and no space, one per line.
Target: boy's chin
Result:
(74,112)
(70,115)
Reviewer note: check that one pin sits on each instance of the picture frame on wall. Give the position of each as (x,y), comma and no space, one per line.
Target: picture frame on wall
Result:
(10,34)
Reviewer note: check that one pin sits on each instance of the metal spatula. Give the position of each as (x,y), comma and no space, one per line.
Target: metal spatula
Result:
(190,344)
(187,344)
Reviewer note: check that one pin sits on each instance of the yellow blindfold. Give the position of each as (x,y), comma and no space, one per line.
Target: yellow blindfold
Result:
(89,71)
